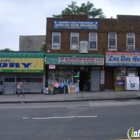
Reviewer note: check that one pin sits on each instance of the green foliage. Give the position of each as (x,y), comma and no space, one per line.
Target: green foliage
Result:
(5,50)
(43,47)
(85,8)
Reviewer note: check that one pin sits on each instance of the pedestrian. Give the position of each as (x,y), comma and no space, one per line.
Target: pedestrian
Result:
(20,89)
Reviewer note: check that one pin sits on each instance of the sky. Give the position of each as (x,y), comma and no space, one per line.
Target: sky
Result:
(28,17)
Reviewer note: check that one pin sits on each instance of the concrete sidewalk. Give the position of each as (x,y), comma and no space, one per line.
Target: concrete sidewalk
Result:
(82,96)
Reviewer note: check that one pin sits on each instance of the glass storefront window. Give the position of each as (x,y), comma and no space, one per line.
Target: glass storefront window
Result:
(52,77)
(121,72)
(59,76)
(120,76)
(131,71)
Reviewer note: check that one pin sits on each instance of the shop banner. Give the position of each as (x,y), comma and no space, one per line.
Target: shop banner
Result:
(51,66)
(21,64)
(122,59)
(76,25)
(74,60)
(83,46)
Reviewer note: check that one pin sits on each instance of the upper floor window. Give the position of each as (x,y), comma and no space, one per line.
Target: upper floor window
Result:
(74,41)
(92,41)
(130,41)
(112,41)
(56,40)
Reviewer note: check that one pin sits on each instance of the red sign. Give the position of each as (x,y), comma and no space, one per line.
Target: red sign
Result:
(51,66)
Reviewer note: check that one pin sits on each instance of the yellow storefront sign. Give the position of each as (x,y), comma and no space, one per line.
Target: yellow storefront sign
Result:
(22,65)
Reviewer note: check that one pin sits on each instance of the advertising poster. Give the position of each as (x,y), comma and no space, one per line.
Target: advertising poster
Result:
(102,77)
(83,47)
(120,76)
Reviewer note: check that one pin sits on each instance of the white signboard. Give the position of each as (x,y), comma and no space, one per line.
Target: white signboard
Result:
(51,66)
(83,47)
(122,59)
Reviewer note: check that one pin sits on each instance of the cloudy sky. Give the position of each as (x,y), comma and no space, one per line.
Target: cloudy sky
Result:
(28,17)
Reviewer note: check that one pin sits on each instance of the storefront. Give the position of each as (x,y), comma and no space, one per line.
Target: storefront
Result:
(82,70)
(18,66)
(122,64)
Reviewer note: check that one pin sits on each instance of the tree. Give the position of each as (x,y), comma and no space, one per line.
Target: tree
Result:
(85,8)
(43,47)
(6,50)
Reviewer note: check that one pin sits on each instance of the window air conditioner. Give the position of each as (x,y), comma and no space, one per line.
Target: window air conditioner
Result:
(130,47)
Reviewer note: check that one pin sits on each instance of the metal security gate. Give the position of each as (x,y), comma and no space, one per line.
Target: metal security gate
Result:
(95,80)
(1,84)
(33,82)
(9,84)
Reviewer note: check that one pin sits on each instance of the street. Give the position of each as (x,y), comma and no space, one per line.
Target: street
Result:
(92,120)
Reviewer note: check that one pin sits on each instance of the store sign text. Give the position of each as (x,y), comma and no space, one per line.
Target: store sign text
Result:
(14,65)
(75,60)
(76,25)
(122,60)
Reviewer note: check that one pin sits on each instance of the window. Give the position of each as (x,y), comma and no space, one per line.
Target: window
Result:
(112,41)
(56,37)
(93,41)
(130,41)
(74,42)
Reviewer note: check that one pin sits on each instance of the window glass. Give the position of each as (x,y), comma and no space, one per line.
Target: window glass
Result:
(56,37)
(130,41)
(74,41)
(92,41)
(9,79)
(112,41)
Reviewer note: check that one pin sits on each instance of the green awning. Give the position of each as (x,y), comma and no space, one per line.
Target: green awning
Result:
(74,59)
(22,55)
(74,55)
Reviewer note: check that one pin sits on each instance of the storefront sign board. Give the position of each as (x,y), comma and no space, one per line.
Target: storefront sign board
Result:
(122,59)
(21,64)
(74,60)
(75,24)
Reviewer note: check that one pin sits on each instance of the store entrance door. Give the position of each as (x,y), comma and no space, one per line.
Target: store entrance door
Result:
(1,84)
(109,78)
(84,80)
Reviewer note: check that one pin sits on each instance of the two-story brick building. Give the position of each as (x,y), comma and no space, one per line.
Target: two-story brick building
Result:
(79,45)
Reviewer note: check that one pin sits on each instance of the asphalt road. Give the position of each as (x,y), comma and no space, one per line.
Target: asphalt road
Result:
(69,121)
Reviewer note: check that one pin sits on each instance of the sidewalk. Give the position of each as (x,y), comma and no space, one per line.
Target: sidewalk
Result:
(82,96)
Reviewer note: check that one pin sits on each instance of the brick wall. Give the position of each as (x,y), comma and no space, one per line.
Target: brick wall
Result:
(121,25)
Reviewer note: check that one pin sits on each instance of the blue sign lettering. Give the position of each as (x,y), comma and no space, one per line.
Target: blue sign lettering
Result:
(17,65)
(136,59)
(124,58)
(112,58)
(4,65)
(14,65)
(11,65)
(26,65)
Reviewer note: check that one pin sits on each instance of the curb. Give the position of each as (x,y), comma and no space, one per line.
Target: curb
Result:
(57,101)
